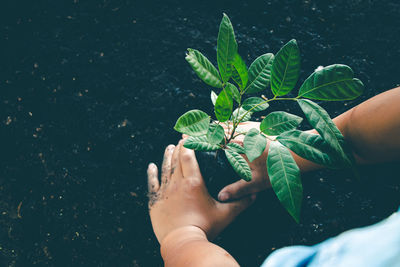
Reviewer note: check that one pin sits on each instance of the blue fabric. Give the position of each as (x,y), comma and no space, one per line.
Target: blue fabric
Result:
(374,246)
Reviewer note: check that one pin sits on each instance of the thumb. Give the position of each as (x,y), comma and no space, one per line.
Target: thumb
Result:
(236,190)
(232,209)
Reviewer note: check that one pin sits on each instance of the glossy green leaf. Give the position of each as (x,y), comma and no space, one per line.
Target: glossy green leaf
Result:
(255,104)
(223,106)
(235,92)
(213,97)
(236,147)
(226,48)
(199,143)
(242,114)
(284,176)
(278,122)
(323,124)
(239,72)
(260,74)
(215,134)
(239,164)
(332,83)
(309,146)
(203,68)
(254,144)
(194,123)
(285,69)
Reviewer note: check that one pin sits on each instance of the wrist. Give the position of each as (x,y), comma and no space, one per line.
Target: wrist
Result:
(178,238)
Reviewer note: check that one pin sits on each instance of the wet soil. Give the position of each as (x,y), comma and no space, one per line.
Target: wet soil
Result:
(90,91)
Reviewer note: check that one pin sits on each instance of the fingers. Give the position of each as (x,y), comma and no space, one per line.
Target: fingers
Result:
(166,165)
(152,178)
(236,190)
(176,170)
(190,167)
(232,209)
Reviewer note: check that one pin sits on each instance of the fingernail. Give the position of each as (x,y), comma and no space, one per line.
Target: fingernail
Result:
(223,196)
(152,165)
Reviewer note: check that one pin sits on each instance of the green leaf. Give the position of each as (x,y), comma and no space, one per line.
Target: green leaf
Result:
(194,122)
(235,92)
(309,146)
(215,134)
(260,73)
(199,143)
(203,68)
(278,122)
(239,113)
(254,144)
(285,69)
(255,104)
(226,48)
(213,97)
(320,120)
(239,72)
(332,83)
(236,147)
(223,106)
(239,164)
(284,176)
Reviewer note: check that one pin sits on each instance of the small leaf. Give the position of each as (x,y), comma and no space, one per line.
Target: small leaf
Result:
(213,97)
(278,122)
(235,92)
(241,114)
(223,106)
(199,143)
(236,147)
(332,83)
(226,48)
(215,134)
(203,68)
(320,120)
(284,176)
(239,72)
(260,74)
(255,104)
(194,122)
(309,146)
(285,69)
(239,164)
(254,144)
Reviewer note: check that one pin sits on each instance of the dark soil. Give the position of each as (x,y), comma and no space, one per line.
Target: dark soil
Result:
(90,91)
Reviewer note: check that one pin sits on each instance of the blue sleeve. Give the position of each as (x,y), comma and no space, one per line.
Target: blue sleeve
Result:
(375,246)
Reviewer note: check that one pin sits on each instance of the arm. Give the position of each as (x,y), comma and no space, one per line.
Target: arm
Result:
(188,246)
(372,129)
(184,216)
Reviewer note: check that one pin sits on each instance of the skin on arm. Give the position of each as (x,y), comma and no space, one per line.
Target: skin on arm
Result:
(372,130)
(184,216)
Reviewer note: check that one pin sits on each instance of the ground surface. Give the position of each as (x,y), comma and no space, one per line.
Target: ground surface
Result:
(90,91)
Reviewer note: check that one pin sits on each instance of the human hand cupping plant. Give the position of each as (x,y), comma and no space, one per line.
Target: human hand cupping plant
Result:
(280,73)
(260,180)
(182,199)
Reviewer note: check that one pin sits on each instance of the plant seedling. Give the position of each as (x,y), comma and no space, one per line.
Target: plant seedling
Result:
(279,73)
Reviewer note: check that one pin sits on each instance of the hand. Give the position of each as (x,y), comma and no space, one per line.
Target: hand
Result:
(182,198)
(260,180)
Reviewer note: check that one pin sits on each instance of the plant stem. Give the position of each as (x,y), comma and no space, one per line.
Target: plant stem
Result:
(237,122)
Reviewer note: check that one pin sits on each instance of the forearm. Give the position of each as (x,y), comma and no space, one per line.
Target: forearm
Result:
(189,247)
(372,130)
